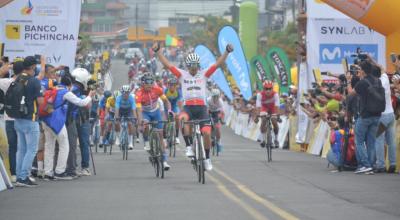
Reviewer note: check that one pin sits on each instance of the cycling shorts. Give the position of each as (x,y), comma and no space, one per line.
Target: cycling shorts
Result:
(197,112)
(153,116)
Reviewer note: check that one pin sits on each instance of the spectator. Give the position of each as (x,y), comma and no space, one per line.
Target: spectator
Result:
(27,127)
(18,67)
(367,124)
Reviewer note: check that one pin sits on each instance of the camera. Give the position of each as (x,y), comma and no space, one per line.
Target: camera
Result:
(359,56)
(92,84)
(354,69)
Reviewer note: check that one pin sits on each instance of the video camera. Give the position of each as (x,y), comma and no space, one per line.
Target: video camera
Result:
(92,84)
(359,56)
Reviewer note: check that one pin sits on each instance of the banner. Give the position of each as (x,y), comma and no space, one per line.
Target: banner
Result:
(260,67)
(329,40)
(303,121)
(248,22)
(279,64)
(44,27)
(207,58)
(236,60)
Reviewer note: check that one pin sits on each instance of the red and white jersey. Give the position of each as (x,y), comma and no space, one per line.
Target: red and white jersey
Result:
(267,101)
(193,87)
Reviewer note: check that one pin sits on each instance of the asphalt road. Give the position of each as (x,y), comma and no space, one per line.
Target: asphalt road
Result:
(241,186)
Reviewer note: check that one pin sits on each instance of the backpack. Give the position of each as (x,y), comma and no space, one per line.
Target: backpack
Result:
(375,102)
(47,107)
(14,101)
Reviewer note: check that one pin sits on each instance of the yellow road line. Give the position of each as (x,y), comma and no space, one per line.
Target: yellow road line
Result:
(224,190)
(280,212)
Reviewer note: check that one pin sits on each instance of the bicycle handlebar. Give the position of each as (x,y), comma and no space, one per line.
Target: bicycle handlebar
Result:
(196,121)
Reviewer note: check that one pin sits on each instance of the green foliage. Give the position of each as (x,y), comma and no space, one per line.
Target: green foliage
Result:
(207,32)
(284,39)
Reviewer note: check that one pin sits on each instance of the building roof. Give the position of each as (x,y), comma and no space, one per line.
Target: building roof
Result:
(99,6)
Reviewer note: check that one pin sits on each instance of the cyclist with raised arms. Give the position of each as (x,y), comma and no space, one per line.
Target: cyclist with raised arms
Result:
(125,106)
(214,103)
(267,102)
(193,85)
(149,111)
(174,96)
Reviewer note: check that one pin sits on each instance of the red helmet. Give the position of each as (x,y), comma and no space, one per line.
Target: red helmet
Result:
(268,84)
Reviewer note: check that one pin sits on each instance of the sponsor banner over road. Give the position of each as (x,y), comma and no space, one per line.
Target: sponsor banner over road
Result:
(44,27)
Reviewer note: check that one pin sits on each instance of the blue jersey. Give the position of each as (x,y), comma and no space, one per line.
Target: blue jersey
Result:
(102,103)
(125,106)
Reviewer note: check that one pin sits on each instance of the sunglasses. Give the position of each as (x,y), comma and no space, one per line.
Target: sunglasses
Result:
(193,65)
(268,89)
(148,81)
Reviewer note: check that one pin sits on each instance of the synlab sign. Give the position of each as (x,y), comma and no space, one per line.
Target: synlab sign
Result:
(334,53)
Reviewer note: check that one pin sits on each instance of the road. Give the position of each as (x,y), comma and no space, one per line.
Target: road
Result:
(241,186)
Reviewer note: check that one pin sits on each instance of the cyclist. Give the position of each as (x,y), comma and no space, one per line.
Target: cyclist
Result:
(268,102)
(102,112)
(125,106)
(148,110)
(194,95)
(174,95)
(110,116)
(217,114)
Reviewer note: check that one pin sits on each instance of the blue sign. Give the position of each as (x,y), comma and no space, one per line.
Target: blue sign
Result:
(236,60)
(207,59)
(334,53)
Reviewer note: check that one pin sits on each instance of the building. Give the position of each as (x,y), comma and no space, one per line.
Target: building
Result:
(104,20)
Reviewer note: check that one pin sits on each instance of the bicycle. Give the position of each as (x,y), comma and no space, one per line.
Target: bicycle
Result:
(200,154)
(156,152)
(124,137)
(96,133)
(214,138)
(171,136)
(268,136)
(111,137)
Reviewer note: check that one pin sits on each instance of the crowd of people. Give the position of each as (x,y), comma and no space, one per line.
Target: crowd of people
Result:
(48,110)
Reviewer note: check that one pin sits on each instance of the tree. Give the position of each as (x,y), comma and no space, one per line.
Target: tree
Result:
(208,33)
(284,39)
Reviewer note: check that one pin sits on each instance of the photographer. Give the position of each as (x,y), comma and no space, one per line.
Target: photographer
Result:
(370,113)
(78,125)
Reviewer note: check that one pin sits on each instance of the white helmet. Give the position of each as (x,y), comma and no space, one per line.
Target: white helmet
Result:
(81,75)
(215,92)
(125,89)
(192,58)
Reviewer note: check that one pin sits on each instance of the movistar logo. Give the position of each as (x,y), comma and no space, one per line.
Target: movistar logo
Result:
(330,55)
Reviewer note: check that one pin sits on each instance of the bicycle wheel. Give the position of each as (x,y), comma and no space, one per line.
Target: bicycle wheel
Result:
(154,142)
(173,139)
(200,159)
(112,139)
(268,148)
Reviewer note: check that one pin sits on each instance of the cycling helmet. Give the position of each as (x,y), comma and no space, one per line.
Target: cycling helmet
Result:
(268,84)
(192,58)
(116,93)
(147,79)
(173,81)
(125,89)
(215,92)
(107,94)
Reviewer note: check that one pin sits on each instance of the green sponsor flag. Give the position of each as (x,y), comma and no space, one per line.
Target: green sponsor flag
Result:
(260,68)
(278,61)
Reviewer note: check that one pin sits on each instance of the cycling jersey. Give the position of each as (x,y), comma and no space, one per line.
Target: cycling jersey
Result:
(148,100)
(102,103)
(125,106)
(110,104)
(214,106)
(193,87)
(268,103)
(173,98)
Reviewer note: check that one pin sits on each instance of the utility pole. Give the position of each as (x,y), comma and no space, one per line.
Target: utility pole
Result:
(137,23)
